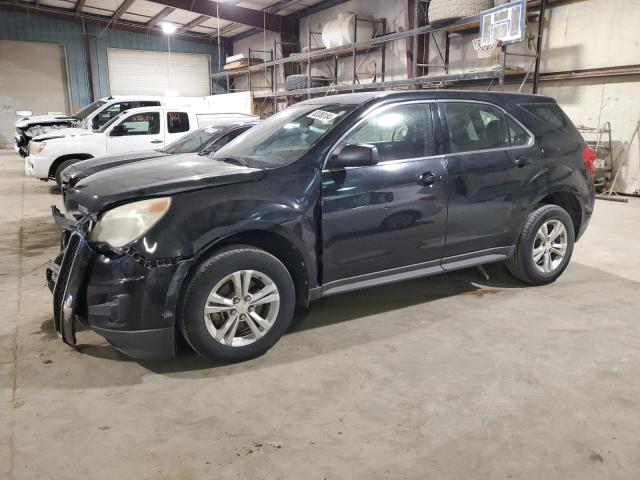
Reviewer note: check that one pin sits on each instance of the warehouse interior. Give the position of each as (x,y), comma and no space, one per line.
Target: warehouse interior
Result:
(469,374)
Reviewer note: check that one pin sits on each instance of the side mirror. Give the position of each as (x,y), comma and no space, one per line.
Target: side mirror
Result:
(118,131)
(355,156)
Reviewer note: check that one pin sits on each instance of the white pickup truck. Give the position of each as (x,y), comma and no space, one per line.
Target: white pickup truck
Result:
(93,116)
(145,128)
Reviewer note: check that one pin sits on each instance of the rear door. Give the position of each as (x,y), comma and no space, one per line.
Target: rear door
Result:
(392,214)
(141,131)
(495,171)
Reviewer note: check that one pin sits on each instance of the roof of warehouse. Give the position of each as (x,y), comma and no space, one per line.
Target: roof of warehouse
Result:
(197,18)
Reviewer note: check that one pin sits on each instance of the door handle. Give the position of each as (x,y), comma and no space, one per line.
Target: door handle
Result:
(428,178)
(155,141)
(522,161)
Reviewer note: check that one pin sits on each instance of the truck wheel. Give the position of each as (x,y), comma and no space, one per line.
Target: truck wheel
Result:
(61,167)
(544,247)
(237,305)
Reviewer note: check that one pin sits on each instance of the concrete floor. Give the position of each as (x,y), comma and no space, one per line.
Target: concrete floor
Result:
(448,377)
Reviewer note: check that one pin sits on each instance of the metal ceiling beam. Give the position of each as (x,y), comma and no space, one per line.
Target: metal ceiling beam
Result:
(70,16)
(158,17)
(232,13)
(193,23)
(78,9)
(122,9)
(318,7)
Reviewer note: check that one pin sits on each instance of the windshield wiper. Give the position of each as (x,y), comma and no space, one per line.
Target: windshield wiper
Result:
(234,161)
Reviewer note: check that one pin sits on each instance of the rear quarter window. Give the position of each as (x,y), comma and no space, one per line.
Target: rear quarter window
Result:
(552,116)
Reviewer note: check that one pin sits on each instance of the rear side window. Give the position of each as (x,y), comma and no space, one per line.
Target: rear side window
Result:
(475,126)
(518,136)
(177,122)
(400,132)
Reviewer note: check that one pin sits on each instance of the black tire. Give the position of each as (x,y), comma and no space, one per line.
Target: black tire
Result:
(209,273)
(448,10)
(61,167)
(300,82)
(522,265)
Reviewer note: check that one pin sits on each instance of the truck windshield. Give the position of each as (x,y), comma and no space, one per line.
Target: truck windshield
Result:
(92,107)
(284,137)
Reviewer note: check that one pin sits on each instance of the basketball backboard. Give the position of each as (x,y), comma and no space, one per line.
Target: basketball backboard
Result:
(506,23)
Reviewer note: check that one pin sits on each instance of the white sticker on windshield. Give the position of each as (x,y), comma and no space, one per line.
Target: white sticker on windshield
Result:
(322,116)
(210,130)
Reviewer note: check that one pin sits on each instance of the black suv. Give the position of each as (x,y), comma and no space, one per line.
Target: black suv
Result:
(328,196)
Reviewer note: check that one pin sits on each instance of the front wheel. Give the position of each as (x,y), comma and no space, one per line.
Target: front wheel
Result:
(237,305)
(544,247)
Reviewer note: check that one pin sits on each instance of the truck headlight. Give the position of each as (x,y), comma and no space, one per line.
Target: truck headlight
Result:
(125,224)
(36,147)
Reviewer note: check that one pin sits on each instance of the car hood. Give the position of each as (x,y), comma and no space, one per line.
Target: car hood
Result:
(166,175)
(94,165)
(39,119)
(65,133)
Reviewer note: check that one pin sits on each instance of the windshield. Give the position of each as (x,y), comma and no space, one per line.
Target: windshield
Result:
(82,114)
(194,142)
(284,137)
(104,127)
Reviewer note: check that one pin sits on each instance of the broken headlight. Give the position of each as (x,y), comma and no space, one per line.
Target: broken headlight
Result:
(36,147)
(122,225)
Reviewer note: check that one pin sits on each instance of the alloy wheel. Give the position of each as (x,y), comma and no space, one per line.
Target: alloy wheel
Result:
(550,246)
(241,308)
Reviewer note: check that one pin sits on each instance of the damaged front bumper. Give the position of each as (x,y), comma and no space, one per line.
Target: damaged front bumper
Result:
(117,296)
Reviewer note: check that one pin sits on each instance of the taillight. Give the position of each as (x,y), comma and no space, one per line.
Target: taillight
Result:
(589,157)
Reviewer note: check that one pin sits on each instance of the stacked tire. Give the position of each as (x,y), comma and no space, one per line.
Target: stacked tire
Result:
(301,82)
(441,11)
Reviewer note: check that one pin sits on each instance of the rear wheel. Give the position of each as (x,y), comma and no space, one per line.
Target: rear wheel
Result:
(237,305)
(545,246)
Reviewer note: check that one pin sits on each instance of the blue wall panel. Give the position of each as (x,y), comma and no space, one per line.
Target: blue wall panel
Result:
(36,28)
(78,39)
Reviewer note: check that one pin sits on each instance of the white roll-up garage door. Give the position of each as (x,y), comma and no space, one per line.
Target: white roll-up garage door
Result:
(138,72)
(33,76)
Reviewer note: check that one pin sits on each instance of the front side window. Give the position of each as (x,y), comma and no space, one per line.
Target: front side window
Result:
(284,137)
(177,122)
(400,132)
(475,126)
(147,123)
(193,142)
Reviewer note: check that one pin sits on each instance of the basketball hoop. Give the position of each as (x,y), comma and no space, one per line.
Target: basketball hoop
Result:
(486,47)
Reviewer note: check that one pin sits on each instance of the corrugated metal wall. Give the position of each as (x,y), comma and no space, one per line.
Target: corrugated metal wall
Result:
(78,39)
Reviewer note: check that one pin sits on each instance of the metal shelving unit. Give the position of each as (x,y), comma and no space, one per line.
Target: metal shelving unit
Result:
(331,56)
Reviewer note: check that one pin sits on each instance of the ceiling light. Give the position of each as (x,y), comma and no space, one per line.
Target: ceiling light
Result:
(168,28)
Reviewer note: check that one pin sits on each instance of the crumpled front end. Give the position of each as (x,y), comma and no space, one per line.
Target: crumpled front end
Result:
(122,297)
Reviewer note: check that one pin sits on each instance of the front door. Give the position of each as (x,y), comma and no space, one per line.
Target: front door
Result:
(392,214)
(136,132)
(494,170)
